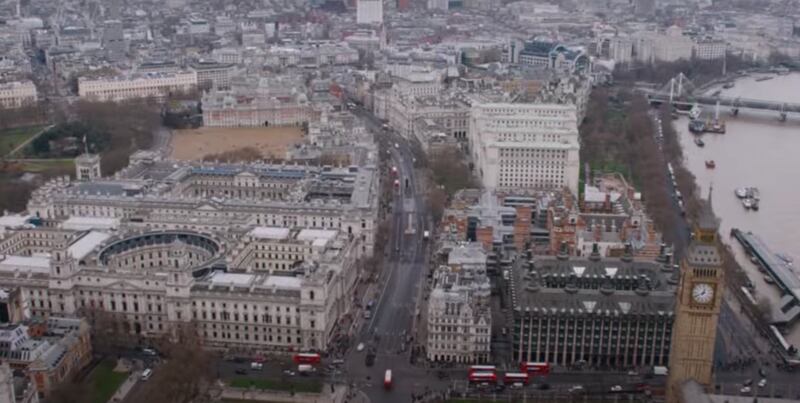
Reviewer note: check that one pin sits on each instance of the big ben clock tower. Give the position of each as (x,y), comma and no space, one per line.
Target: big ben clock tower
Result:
(697,307)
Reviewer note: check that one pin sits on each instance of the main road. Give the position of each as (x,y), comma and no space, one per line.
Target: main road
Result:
(388,331)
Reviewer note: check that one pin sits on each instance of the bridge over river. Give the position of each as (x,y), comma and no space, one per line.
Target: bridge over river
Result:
(682,94)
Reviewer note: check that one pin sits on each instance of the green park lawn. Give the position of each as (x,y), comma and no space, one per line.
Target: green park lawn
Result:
(277,384)
(11,138)
(62,166)
(103,381)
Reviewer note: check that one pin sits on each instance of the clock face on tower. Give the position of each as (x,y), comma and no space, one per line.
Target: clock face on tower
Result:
(702,293)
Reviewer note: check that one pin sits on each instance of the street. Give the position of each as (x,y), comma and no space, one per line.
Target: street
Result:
(389,330)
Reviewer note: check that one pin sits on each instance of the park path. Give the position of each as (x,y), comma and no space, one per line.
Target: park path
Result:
(28,141)
(126,387)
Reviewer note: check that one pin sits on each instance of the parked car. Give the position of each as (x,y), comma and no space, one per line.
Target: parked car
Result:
(360,347)
(747,382)
(745,389)
(762,383)
(256,366)
(240,371)
(146,374)
(616,388)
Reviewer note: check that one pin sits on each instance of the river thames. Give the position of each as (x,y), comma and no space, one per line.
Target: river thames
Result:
(757,150)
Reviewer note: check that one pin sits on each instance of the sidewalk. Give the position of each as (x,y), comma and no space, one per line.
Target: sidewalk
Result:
(126,387)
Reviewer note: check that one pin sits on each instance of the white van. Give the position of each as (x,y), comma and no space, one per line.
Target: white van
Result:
(146,374)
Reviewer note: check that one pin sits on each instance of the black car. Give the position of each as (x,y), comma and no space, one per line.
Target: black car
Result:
(544,386)
(370,359)
(240,371)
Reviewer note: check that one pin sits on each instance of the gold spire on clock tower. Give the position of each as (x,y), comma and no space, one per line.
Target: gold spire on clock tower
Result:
(697,307)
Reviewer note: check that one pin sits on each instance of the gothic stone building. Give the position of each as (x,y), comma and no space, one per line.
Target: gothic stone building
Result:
(596,311)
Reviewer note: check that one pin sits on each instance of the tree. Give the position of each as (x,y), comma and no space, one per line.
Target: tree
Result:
(764,309)
(15,194)
(69,392)
(450,170)
(437,201)
(244,154)
(130,126)
(110,331)
(187,373)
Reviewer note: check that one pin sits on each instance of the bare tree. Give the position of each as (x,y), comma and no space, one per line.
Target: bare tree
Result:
(244,154)
(764,309)
(451,171)
(437,201)
(186,374)
(69,392)
(110,331)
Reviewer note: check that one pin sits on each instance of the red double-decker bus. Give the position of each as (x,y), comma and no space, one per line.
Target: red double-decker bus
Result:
(535,368)
(482,368)
(307,358)
(511,378)
(482,377)
(387,379)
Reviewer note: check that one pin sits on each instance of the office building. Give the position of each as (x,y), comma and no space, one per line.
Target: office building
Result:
(120,88)
(369,11)
(525,145)
(596,311)
(17,94)
(459,315)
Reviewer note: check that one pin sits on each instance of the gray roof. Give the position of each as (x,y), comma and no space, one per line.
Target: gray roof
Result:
(612,286)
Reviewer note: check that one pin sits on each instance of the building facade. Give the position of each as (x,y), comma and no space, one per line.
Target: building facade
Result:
(710,49)
(369,11)
(212,74)
(156,85)
(17,94)
(459,316)
(602,312)
(525,145)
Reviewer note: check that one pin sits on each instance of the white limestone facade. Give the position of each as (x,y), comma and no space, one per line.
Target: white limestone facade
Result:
(525,145)
(121,88)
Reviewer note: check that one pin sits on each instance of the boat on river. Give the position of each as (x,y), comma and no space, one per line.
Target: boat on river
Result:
(741,192)
(695,112)
(715,126)
(765,78)
(697,126)
(710,164)
(728,85)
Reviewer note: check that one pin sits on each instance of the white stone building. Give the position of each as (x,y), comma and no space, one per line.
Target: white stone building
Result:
(369,11)
(671,46)
(257,257)
(266,101)
(136,86)
(155,280)
(211,74)
(525,145)
(17,93)
(710,49)
(459,316)
(441,5)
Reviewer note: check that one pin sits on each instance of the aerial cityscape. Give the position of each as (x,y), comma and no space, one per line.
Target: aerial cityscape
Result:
(369,201)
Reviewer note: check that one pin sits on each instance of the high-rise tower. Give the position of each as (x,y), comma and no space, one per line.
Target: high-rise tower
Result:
(697,307)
